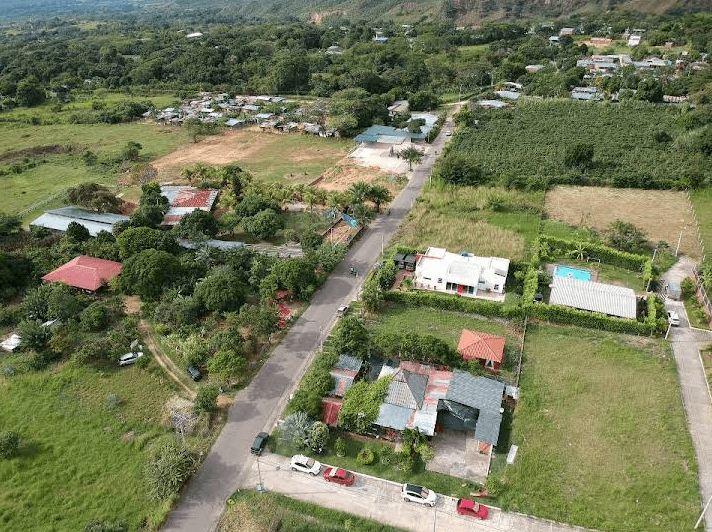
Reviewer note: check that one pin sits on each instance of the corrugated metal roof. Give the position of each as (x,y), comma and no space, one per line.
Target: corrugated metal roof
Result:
(342,382)
(348,362)
(596,297)
(477,392)
(394,416)
(330,408)
(487,428)
(102,217)
(407,389)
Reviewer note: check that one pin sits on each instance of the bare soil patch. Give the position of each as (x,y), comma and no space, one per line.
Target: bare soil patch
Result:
(662,214)
(269,155)
(346,173)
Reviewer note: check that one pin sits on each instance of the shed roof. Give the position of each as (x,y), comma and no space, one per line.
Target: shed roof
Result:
(595,297)
(94,222)
(330,408)
(85,272)
(394,416)
(11,343)
(348,362)
(481,346)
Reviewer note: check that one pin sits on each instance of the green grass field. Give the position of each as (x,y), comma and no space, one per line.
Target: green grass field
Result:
(702,205)
(263,512)
(81,458)
(59,172)
(602,437)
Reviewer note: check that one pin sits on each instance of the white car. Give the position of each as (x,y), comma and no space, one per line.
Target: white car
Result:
(305,464)
(673,318)
(419,494)
(129,358)
(342,311)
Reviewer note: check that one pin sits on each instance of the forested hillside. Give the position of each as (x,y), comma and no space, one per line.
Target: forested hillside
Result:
(460,11)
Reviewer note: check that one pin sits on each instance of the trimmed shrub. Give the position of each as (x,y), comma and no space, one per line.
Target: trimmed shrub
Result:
(366,456)
(206,399)
(340,447)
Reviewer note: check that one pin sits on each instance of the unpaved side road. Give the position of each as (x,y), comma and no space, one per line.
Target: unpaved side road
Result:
(163,360)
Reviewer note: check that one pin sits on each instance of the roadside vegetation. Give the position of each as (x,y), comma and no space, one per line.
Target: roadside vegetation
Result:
(264,512)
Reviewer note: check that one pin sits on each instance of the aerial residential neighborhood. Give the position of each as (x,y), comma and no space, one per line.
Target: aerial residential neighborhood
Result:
(390,267)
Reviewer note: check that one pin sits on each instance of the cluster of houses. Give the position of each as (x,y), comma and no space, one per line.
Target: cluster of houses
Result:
(238,111)
(426,398)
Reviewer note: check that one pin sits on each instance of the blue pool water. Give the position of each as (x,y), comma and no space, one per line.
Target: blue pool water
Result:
(565,271)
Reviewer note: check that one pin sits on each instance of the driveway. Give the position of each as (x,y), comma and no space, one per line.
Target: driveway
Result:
(456,454)
(258,406)
(381,501)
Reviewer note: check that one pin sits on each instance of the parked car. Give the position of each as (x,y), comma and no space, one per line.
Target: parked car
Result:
(472,508)
(129,358)
(342,311)
(260,443)
(194,373)
(673,318)
(419,494)
(339,476)
(305,464)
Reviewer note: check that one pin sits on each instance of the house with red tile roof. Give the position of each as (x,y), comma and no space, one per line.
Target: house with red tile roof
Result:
(87,273)
(486,348)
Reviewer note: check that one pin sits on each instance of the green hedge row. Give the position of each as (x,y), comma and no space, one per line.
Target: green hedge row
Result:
(453,302)
(531,278)
(592,320)
(611,256)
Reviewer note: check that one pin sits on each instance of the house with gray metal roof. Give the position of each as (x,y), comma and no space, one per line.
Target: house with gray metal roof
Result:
(473,403)
(595,297)
(344,374)
(94,222)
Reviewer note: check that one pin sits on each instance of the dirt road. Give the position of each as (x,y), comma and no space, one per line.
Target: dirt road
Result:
(163,360)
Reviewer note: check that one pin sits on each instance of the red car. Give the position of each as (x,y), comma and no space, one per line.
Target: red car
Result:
(472,508)
(340,476)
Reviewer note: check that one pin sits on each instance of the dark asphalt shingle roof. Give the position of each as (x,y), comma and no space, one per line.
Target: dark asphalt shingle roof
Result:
(483,394)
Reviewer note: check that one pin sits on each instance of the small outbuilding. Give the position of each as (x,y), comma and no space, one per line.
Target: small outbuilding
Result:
(487,349)
(607,299)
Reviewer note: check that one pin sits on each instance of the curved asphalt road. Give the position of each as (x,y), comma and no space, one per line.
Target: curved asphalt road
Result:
(258,406)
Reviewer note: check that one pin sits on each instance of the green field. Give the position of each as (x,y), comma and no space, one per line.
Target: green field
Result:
(55,173)
(269,512)
(602,438)
(483,221)
(81,457)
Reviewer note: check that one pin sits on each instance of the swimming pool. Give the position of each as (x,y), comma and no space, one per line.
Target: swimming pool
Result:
(565,271)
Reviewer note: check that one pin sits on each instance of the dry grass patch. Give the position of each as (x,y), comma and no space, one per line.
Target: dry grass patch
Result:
(661,214)
(347,172)
(269,156)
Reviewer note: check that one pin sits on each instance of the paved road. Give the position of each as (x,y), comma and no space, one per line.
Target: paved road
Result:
(686,344)
(380,500)
(257,407)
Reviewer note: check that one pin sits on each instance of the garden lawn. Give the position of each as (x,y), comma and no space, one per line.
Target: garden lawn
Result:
(603,442)
(443,324)
(81,455)
(258,512)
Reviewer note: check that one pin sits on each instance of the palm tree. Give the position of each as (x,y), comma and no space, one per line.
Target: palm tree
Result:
(379,194)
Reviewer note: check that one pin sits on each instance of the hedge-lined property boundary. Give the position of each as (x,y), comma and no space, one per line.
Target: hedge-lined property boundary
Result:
(551,247)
